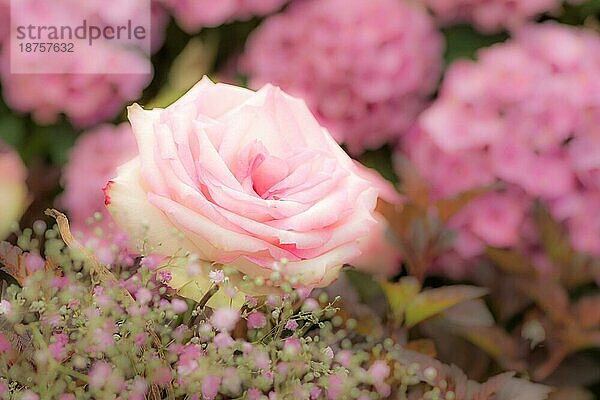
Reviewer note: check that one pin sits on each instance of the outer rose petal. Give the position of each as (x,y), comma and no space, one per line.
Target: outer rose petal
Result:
(380,255)
(149,229)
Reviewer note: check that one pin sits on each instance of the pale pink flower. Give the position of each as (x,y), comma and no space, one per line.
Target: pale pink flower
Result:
(99,374)
(57,348)
(29,395)
(379,371)
(179,306)
(292,346)
(216,276)
(143,296)
(188,359)
(291,325)
(254,394)
(365,68)
(5,345)
(34,262)
(248,178)
(256,320)
(225,319)
(223,340)
(210,386)
(5,307)
(335,386)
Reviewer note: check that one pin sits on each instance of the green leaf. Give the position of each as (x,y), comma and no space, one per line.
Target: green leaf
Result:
(462,41)
(400,294)
(366,287)
(497,343)
(448,208)
(511,261)
(381,161)
(12,130)
(470,313)
(554,239)
(432,302)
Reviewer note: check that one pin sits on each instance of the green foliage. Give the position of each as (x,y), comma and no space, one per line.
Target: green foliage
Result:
(463,41)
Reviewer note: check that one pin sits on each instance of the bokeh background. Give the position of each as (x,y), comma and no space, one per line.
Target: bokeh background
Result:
(484,113)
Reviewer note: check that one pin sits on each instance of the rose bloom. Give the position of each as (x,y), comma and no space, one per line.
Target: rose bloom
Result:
(13,188)
(247,179)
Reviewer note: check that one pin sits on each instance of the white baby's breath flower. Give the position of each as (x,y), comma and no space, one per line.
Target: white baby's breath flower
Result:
(5,307)
(216,276)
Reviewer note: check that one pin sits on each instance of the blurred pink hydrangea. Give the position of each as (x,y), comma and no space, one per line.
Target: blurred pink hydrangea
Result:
(4,20)
(490,15)
(93,161)
(195,14)
(527,114)
(365,68)
(85,99)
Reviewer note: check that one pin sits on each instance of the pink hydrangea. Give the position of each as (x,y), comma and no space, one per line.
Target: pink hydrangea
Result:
(93,162)
(365,68)
(84,98)
(4,20)
(525,114)
(490,15)
(195,14)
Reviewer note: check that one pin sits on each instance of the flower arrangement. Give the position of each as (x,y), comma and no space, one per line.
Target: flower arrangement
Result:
(311,199)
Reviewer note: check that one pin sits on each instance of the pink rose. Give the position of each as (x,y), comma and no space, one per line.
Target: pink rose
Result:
(244,178)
